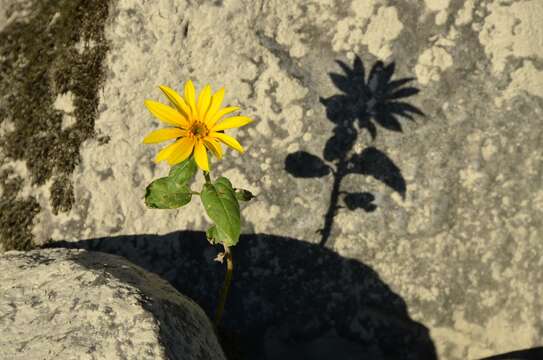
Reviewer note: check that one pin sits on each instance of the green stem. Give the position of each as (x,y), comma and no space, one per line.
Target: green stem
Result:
(206,175)
(195,193)
(226,286)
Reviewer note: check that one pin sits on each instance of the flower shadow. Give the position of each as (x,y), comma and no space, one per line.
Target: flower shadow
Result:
(378,99)
(289,299)
(360,106)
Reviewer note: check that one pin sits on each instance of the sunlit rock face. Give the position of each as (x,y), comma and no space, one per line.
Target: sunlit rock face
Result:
(67,304)
(437,190)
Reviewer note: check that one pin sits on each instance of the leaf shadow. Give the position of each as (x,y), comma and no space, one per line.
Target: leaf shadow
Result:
(289,299)
(373,162)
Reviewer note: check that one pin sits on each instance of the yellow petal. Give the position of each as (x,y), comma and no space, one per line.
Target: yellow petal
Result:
(183,152)
(203,101)
(167,151)
(200,155)
(190,96)
(216,101)
(219,114)
(165,113)
(233,122)
(178,102)
(214,146)
(228,140)
(161,135)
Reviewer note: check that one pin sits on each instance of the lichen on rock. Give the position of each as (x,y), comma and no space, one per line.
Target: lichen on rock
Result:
(47,49)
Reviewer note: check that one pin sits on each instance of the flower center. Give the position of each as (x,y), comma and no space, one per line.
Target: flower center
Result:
(199,129)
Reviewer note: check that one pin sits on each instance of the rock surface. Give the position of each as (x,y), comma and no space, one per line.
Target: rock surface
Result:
(453,229)
(74,304)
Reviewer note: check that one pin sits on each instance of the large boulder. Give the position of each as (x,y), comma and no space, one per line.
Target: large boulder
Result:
(68,304)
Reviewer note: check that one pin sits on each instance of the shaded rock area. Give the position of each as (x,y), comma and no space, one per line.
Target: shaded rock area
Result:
(289,299)
(68,304)
(399,136)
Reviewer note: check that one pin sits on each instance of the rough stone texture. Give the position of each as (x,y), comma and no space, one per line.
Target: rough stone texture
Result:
(461,250)
(74,304)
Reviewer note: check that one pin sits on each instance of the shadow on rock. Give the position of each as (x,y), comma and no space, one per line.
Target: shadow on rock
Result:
(377,100)
(526,354)
(289,299)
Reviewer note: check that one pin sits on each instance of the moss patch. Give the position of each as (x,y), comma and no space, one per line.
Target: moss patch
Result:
(15,215)
(57,48)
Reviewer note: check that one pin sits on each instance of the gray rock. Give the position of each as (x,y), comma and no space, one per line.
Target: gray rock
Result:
(75,304)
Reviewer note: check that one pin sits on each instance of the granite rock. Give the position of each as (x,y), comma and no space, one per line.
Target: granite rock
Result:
(67,304)
(453,228)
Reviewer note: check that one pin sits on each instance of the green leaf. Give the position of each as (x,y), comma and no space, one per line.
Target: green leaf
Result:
(184,171)
(211,235)
(216,236)
(166,193)
(244,195)
(222,207)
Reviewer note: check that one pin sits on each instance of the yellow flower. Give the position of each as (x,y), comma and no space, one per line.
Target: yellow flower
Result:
(197,125)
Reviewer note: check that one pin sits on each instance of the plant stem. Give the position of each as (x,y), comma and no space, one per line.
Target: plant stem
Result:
(206,175)
(226,286)
(195,193)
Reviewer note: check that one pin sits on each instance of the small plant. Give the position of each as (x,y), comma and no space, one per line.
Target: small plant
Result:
(197,124)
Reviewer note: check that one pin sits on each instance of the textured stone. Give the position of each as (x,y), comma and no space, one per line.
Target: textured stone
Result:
(461,244)
(68,304)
